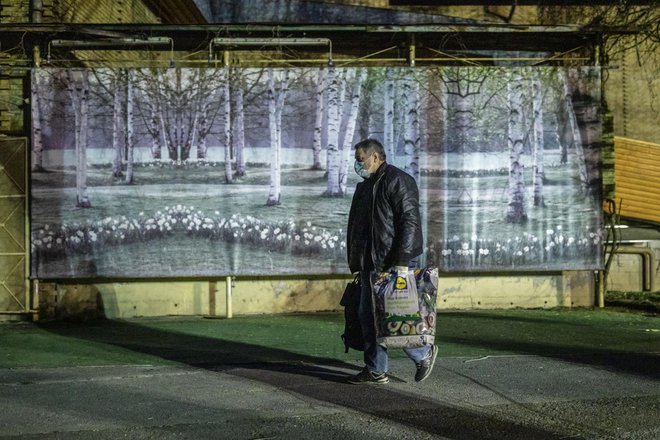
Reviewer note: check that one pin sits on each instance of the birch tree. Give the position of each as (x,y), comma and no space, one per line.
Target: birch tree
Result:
(318,122)
(194,102)
(156,135)
(117,112)
(78,88)
(411,125)
(360,77)
(239,126)
(333,135)
(203,128)
(37,135)
(159,91)
(538,141)
(516,212)
(227,126)
(130,141)
(178,113)
(278,84)
(389,96)
(341,77)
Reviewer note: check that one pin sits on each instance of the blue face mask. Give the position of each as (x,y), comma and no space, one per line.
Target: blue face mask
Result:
(360,170)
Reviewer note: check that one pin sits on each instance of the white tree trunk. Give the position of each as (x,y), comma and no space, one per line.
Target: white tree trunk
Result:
(202,133)
(343,77)
(347,148)
(37,138)
(279,107)
(333,135)
(156,152)
(516,212)
(229,178)
(277,90)
(411,126)
(318,123)
(539,172)
(160,110)
(178,115)
(197,96)
(193,134)
(389,96)
(240,132)
(273,195)
(117,113)
(130,141)
(79,91)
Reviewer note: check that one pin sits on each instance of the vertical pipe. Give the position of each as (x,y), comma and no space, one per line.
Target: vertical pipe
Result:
(26,243)
(601,289)
(601,273)
(411,52)
(35,298)
(37,11)
(228,299)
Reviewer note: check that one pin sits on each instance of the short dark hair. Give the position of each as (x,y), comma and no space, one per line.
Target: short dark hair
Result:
(370,146)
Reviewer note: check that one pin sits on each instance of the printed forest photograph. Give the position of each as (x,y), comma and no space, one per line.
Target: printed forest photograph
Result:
(187,172)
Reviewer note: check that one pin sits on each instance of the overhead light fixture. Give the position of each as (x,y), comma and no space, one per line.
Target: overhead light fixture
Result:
(260,42)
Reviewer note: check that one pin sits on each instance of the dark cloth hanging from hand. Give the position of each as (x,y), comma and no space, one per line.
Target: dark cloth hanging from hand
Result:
(352,336)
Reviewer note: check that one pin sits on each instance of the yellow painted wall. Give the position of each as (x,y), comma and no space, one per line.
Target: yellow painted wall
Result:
(269,295)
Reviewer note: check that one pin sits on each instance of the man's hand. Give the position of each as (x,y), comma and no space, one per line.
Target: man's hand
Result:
(401,271)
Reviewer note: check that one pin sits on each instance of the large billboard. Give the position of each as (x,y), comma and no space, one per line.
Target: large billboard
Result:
(249,171)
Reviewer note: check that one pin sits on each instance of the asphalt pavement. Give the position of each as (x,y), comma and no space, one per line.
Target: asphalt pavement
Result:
(193,394)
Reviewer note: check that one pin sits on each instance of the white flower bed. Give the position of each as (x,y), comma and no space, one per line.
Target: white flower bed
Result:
(286,236)
(554,247)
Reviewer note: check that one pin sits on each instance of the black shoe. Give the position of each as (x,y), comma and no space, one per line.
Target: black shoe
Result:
(425,366)
(366,376)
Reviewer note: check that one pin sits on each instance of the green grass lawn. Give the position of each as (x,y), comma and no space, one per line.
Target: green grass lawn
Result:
(316,337)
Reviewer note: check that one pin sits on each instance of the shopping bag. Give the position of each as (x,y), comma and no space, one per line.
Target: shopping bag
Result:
(352,335)
(405,307)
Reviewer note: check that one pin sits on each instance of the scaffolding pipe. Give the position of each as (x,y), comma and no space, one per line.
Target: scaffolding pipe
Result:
(116,43)
(228,300)
(259,42)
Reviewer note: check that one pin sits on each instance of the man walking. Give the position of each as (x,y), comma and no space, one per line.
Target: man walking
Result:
(384,234)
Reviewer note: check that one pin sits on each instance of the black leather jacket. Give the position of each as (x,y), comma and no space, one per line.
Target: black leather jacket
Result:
(387,231)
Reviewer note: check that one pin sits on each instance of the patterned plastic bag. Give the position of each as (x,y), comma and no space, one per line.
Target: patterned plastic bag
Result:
(405,308)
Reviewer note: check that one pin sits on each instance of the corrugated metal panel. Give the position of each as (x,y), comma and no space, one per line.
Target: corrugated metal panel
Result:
(637,178)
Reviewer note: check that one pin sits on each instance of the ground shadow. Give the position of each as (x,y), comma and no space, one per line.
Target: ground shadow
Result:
(283,369)
(594,352)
